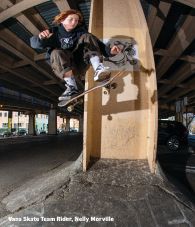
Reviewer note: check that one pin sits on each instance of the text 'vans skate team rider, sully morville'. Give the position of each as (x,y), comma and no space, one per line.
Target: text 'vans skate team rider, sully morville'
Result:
(71,49)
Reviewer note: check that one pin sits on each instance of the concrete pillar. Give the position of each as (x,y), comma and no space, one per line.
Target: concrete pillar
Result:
(67,129)
(81,124)
(52,122)
(18,121)
(9,120)
(177,116)
(31,125)
(64,124)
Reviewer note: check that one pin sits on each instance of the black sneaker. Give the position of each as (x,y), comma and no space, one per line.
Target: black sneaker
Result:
(69,93)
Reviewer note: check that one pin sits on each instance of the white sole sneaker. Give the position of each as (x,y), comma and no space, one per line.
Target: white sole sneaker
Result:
(66,98)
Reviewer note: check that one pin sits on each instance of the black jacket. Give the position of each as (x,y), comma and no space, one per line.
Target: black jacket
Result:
(64,40)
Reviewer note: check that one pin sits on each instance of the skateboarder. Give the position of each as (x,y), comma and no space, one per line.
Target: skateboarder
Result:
(71,49)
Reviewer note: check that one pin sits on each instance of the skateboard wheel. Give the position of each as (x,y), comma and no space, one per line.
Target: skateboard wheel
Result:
(113,85)
(70,108)
(107,86)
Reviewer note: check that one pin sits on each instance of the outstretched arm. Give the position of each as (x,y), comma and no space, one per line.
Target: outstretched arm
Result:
(46,34)
(41,41)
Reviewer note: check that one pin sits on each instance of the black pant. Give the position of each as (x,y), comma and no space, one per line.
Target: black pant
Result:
(77,60)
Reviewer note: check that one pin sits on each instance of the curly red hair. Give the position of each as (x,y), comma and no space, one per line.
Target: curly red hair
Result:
(63,15)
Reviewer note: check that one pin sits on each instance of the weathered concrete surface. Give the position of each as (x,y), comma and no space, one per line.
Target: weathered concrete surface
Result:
(23,159)
(40,187)
(122,193)
(29,165)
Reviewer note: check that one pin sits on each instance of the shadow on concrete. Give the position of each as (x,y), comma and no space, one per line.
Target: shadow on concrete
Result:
(179,169)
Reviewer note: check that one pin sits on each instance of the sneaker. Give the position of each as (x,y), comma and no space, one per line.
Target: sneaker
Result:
(102,73)
(69,93)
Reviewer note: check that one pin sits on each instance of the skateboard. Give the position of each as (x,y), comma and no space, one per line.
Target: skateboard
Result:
(78,99)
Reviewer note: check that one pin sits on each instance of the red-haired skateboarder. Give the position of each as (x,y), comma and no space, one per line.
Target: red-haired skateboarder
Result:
(71,49)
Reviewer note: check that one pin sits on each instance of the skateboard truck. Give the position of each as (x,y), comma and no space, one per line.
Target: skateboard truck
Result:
(71,107)
(109,87)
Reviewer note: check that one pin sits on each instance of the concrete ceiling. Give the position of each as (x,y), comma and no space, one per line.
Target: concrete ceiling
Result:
(26,72)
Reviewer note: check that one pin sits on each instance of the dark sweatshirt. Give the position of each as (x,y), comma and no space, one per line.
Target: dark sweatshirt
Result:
(64,40)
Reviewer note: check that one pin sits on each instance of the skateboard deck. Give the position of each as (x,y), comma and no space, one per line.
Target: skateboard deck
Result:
(78,99)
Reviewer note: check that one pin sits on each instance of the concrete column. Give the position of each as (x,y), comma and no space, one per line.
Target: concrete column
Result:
(177,116)
(31,125)
(9,120)
(52,122)
(64,124)
(67,129)
(81,124)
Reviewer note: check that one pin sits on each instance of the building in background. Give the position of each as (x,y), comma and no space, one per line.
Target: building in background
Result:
(20,121)
(41,123)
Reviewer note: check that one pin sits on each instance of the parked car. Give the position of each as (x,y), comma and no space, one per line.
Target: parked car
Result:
(191,139)
(173,134)
(42,132)
(5,134)
(22,132)
(73,130)
(14,131)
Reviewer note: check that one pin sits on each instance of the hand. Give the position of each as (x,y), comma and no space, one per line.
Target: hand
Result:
(45,34)
(115,50)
